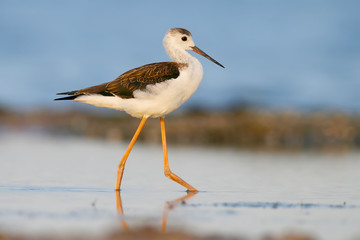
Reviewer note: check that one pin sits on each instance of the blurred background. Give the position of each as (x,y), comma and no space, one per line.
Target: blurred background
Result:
(291,79)
(272,140)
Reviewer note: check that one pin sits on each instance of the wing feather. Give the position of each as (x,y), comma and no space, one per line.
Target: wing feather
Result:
(139,78)
(130,81)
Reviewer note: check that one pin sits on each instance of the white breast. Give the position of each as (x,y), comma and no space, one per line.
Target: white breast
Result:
(163,98)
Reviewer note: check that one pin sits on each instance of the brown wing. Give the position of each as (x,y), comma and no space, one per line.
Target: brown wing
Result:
(137,78)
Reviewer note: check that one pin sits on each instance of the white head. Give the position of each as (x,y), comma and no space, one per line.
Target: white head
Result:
(177,40)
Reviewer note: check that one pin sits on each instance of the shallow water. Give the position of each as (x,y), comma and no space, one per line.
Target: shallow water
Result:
(65,186)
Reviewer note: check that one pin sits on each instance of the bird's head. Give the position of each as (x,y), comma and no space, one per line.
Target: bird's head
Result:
(182,38)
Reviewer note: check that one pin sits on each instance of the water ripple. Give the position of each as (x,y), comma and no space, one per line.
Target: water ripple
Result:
(274,205)
(12,188)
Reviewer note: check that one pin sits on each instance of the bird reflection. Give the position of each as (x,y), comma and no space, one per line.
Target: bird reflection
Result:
(120,211)
(168,206)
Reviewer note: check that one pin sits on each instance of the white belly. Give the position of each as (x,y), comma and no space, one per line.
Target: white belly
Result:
(156,100)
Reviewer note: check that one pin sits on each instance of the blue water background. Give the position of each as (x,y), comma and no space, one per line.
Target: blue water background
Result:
(301,55)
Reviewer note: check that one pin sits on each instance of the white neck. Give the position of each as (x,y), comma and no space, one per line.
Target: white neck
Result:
(179,55)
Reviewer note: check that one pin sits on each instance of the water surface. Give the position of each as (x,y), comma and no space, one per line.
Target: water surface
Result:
(65,185)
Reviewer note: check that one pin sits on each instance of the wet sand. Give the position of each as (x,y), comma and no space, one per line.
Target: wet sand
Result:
(150,233)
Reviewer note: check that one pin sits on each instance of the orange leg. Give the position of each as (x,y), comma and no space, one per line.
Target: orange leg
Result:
(167,171)
(128,150)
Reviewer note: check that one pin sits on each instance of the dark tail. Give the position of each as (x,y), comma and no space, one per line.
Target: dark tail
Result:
(66,98)
(72,97)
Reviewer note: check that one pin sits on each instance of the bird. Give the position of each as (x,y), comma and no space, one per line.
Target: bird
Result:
(151,91)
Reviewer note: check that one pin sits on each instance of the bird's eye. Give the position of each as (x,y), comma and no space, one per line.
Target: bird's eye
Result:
(184,38)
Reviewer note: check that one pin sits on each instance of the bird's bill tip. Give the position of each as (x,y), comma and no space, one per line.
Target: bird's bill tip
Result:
(202,53)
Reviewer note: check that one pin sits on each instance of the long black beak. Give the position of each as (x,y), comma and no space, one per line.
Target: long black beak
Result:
(199,51)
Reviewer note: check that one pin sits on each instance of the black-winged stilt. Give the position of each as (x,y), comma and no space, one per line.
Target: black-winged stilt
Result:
(152,90)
